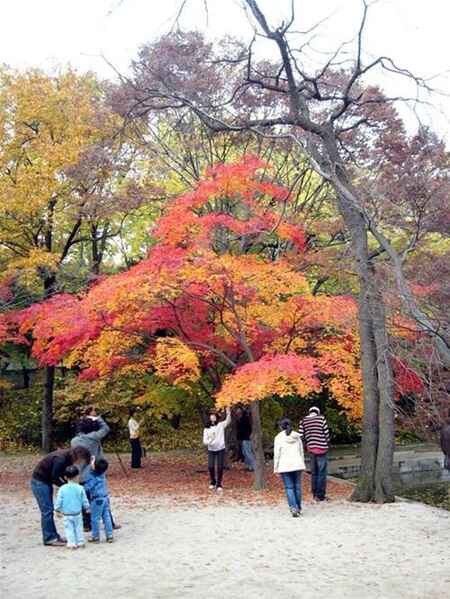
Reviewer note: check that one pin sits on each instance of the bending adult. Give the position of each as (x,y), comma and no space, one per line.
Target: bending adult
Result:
(49,472)
(136,449)
(214,439)
(289,462)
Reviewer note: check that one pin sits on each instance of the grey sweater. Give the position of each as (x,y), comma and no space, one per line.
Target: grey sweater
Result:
(92,442)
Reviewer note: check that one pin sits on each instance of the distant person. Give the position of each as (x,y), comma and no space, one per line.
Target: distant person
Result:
(97,487)
(445,442)
(289,462)
(243,434)
(214,439)
(316,436)
(48,472)
(70,501)
(136,449)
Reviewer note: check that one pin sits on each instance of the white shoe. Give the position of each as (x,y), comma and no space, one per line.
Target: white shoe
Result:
(211,487)
(220,489)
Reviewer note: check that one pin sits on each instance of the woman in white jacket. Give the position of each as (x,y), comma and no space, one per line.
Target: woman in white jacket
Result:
(289,462)
(214,439)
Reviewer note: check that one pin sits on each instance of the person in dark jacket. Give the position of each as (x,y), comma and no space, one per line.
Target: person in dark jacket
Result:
(243,434)
(445,443)
(48,472)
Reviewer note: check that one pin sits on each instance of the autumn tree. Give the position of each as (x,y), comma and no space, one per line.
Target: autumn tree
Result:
(63,187)
(211,299)
(334,118)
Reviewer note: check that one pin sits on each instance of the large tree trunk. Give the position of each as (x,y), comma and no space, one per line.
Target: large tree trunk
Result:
(365,490)
(375,482)
(258,448)
(385,450)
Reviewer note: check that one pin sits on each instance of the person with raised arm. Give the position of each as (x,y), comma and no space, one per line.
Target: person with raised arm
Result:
(214,439)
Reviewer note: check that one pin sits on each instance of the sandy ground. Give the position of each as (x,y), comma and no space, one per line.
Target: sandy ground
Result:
(219,550)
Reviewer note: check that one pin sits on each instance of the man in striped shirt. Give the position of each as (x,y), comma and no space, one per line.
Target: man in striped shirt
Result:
(316,436)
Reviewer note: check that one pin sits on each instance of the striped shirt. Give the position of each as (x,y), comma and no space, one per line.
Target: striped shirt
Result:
(314,431)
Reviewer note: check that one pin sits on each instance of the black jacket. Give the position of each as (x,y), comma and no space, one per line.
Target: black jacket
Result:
(243,428)
(51,469)
(445,444)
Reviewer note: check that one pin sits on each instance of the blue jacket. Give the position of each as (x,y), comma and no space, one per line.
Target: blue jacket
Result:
(96,485)
(71,499)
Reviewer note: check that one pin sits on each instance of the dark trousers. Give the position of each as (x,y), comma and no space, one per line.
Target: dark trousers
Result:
(136,453)
(216,461)
(319,467)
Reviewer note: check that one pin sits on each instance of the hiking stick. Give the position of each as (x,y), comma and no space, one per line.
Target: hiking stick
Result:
(125,471)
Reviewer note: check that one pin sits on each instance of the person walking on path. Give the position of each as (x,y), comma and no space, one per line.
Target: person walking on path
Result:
(48,472)
(214,439)
(136,449)
(243,435)
(316,436)
(289,462)
(70,501)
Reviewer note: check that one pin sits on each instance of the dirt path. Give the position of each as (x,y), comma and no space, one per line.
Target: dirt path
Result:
(218,550)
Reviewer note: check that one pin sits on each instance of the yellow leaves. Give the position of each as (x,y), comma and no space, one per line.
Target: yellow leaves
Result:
(47,124)
(25,270)
(101,353)
(5,385)
(338,358)
(175,362)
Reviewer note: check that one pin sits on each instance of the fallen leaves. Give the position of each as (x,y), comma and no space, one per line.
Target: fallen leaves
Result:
(179,477)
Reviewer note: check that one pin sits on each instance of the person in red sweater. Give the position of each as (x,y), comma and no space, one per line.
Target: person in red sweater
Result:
(316,437)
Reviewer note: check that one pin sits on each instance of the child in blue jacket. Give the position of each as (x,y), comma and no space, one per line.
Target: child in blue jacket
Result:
(97,489)
(70,501)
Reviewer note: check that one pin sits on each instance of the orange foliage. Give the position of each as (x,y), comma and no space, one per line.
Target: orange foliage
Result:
(210,298)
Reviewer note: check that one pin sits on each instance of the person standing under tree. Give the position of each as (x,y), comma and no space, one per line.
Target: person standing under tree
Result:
(316,436)
(136,449)
(243,434)
(214,439)
(445,446)
(92,429)
(445,442)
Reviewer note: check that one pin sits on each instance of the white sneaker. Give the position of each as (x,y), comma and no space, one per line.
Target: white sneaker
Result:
(220,489)
(211,487)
